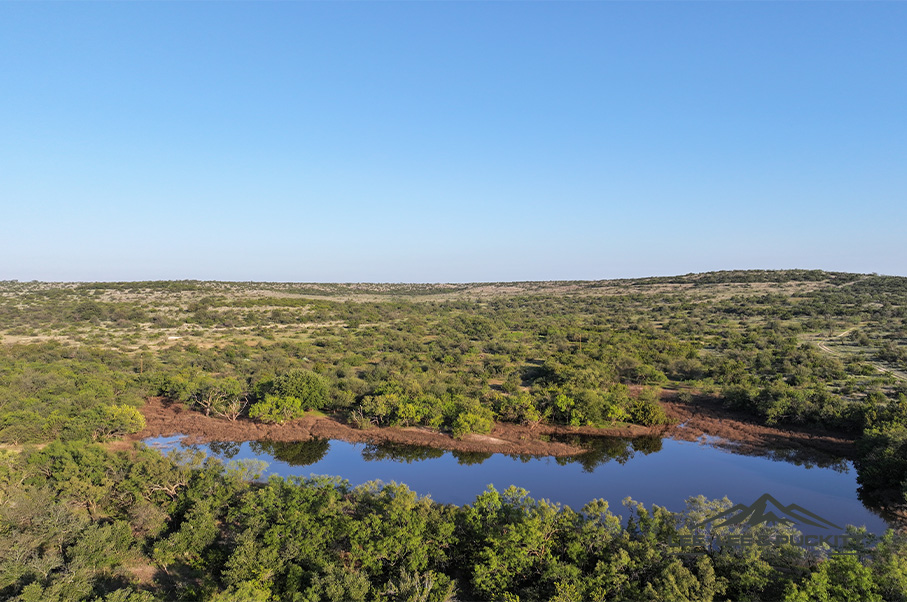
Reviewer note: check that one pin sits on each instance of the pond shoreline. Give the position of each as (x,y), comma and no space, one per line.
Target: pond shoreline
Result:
(703,417)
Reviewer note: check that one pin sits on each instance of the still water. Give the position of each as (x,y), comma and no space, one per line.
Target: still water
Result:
(649,470)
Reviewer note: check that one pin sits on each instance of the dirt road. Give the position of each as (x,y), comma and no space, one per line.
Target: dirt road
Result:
(823,345)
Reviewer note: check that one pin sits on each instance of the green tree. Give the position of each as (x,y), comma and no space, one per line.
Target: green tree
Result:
(646,410)
(306,386)
(838,579)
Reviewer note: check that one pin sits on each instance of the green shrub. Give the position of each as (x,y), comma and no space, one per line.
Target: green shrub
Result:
(306,386)
(103,422)
(478,419)
(646,410)
(882,459)
(275,408)
(22,426)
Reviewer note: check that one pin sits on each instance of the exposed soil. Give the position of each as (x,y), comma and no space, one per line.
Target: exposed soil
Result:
(164,418)
(704,417)
(739,430)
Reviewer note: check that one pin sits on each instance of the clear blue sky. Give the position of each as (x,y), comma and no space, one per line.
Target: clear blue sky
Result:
(431,141)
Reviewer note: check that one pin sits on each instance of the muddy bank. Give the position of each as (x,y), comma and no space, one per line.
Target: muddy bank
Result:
(702,417)
(164,418)
(739,431)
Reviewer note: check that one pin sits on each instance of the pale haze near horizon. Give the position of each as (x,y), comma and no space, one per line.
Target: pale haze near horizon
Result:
(450,142)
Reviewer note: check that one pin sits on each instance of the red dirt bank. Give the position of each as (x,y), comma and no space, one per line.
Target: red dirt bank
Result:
(702,417)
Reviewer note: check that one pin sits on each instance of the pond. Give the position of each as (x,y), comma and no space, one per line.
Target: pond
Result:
(648,469)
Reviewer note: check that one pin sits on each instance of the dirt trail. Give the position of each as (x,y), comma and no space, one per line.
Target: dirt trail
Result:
(823,345)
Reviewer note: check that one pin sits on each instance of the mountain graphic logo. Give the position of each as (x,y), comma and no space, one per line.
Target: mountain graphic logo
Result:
(768,510)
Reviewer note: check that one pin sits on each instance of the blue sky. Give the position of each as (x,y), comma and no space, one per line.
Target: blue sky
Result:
(434,141)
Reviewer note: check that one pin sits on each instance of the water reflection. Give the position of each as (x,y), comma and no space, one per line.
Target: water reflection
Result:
(294,453)
(403,452)
(599,450)
(781,451)
(602,450)
(225,449)
(399,452)
(465,458)
(611,469)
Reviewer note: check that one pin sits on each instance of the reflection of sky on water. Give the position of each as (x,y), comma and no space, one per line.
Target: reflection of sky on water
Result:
(666,477)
